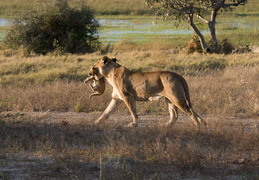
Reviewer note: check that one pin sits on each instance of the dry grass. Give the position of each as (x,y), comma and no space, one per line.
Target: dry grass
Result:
(68,146)
(219,85)
(223,93)
(229,92)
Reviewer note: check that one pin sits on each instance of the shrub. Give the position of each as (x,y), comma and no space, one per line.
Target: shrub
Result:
(225,47)
(193,46)
(54,26)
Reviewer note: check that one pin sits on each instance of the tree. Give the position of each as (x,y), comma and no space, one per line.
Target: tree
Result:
(54,26)
(191,10)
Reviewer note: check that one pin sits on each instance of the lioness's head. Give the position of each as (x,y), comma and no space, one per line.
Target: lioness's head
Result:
(102,67)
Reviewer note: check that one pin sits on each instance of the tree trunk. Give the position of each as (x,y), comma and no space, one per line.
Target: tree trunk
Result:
(212,28)
(204,46)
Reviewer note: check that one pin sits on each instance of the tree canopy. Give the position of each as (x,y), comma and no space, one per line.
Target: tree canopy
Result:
(193,10)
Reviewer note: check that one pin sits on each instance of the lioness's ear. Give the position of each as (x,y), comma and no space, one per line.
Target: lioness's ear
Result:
(105,59)
(114,59)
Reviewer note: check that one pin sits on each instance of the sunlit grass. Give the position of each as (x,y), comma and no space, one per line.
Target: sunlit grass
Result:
(72,67)
(37,74)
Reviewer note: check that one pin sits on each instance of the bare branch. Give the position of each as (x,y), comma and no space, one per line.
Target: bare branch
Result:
(203,19)
(241,2)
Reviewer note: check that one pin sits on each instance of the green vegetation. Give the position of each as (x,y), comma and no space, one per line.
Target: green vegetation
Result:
(108,7)
(240,27)
(101,7)
(194,13)
(135,29)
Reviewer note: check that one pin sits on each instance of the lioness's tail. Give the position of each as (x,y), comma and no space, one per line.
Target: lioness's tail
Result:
(186,92)
(188,101)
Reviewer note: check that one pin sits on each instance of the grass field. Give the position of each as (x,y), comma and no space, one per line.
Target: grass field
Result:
(47,130)
(23,79)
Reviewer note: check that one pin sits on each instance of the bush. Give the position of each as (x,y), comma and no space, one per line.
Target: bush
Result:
(225,47)
(54,26)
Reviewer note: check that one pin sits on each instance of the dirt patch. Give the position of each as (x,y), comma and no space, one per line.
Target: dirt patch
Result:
(255,50)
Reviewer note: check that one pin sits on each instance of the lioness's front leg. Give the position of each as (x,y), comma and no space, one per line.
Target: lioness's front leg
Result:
(131,104)
(111,107)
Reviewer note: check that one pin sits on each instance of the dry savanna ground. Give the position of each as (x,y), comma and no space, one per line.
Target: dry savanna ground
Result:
(47,130)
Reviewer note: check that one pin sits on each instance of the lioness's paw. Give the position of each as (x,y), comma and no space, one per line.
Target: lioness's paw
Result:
(133,124)
(97,122)
(168,124)
(204,123)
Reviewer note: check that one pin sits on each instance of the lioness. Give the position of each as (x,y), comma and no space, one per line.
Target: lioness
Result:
(131,86)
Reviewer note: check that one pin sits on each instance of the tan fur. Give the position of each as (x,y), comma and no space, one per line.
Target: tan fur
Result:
(131,86)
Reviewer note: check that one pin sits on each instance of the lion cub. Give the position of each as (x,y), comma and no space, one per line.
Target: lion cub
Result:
(98,86)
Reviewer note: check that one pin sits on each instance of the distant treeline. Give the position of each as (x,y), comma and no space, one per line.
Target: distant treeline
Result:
(107,7)
(101,7)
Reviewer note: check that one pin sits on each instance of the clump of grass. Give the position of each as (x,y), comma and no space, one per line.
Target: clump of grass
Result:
(192,46)
(225,47)
(57,96)
(236,93)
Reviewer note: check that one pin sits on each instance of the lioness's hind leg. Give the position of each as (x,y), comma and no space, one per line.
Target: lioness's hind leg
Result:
(202,121)
(173,112)
(183,106)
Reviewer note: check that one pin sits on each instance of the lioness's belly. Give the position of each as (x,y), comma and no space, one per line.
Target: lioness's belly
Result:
(147,93)
(148,98)
(145,87)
